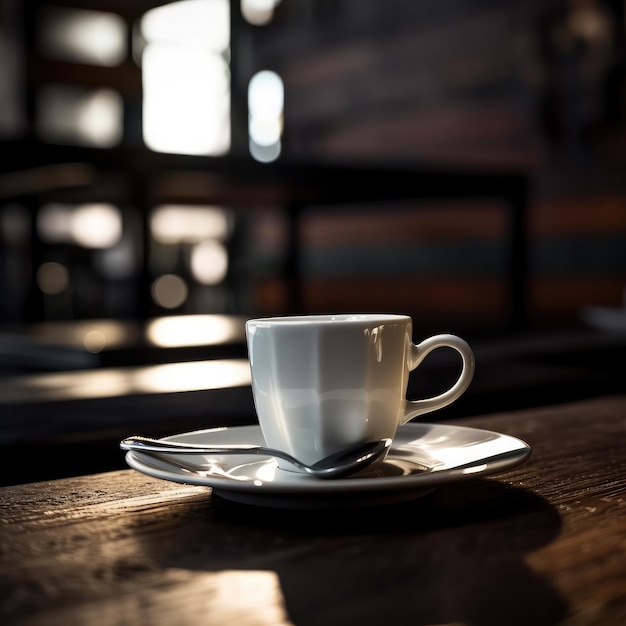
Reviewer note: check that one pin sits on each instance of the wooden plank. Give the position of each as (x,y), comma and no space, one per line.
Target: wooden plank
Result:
(580,214)
(402,223)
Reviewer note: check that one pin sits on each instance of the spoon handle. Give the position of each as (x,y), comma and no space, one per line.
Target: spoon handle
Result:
(138,443)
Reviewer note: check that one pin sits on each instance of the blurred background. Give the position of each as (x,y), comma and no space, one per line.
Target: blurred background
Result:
(171,168)
(99,219)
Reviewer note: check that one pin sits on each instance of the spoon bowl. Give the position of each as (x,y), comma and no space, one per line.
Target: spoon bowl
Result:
(343,463)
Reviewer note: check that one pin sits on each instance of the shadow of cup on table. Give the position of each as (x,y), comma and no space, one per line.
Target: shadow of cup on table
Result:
(454,556)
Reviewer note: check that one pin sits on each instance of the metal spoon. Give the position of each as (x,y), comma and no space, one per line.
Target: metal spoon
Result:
(342,463)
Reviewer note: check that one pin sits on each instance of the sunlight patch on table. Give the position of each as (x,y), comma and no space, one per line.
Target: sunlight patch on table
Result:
(251,597)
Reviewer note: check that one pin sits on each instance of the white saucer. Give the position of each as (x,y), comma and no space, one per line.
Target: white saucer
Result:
(422,457)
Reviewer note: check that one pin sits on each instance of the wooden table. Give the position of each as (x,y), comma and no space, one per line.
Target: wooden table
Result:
(542,544)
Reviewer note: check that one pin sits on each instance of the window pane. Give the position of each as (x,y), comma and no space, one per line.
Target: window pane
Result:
(186,78)
(78,116)
(92,37)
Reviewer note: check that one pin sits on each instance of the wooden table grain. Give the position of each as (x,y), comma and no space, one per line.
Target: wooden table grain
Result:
(542,544)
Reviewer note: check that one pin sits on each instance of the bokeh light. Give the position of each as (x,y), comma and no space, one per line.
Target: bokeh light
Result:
(53,278)
(209,262)
(75,115)
(170,291)
(93,225)
(172,224)
(266,99)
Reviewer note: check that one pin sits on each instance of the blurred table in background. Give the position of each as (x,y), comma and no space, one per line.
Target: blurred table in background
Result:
(72,421)
(69,391)
(79,344)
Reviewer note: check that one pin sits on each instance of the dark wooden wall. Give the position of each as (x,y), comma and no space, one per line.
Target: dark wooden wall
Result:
(538,86)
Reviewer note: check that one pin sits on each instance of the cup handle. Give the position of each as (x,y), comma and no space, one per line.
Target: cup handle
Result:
(418,353)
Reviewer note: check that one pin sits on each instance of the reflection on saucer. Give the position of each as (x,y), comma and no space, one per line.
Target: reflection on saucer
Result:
(391,468)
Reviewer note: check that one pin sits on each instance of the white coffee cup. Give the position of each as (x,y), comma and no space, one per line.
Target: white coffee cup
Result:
(322,383)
